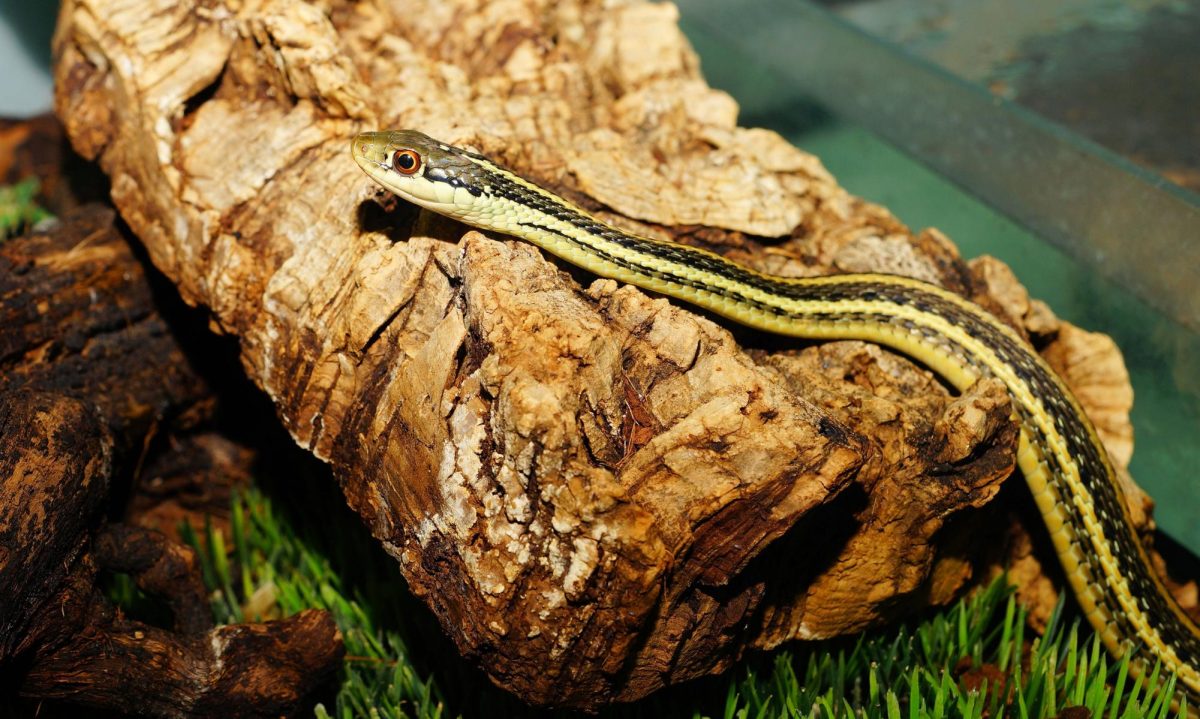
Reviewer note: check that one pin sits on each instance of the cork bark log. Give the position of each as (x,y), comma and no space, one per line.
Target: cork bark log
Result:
(597,491)
(91,377)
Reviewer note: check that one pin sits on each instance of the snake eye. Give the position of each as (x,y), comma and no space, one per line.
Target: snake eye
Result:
(406,162)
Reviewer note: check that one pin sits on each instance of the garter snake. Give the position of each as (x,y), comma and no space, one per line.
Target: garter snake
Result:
(1062,458)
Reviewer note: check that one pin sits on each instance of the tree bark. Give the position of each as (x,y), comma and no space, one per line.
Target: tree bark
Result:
(90,374)
(597,491)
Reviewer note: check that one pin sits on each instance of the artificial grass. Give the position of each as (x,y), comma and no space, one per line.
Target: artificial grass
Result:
(19,210)
(974,659)
(270,571)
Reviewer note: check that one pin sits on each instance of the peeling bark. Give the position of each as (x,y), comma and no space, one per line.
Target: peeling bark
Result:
(597,492)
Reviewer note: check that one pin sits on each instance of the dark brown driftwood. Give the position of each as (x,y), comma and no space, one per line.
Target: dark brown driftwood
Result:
(36,147)
(598,492)
(90,374)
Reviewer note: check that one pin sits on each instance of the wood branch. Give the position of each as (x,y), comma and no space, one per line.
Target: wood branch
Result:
(113,663)
(597,492)
(90,374)
(86,366)
(79,321)
(55,462)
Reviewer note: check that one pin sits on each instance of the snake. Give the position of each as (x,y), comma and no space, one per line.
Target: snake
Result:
(1073,481)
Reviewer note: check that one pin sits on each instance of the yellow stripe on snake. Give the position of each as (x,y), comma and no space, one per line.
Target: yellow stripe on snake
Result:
(1060,454)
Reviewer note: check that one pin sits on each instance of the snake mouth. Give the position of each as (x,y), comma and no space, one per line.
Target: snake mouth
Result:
(370,150)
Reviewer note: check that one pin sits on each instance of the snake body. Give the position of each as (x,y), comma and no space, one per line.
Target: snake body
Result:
(1072,479)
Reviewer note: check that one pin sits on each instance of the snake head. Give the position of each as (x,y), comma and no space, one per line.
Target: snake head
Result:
(418,168)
